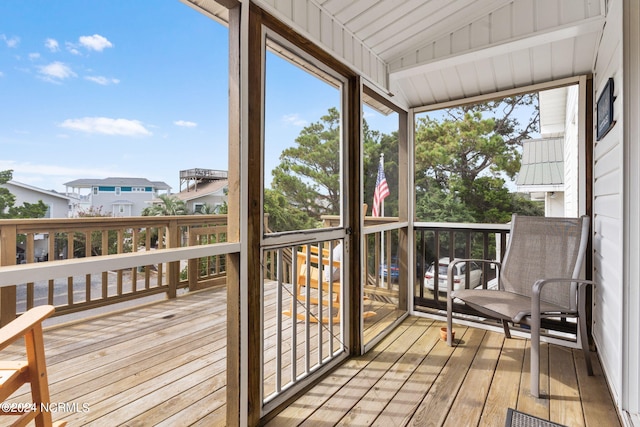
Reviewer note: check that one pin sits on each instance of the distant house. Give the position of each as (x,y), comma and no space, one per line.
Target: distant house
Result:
(57,203)
(202,187)
(550,165)
(122,197)
(58,207)
(542,173)
(210,193)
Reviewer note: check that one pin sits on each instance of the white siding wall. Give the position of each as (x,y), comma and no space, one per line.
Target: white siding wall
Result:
(631,104)
(212,200)
(106,199)
(608,210)
(59,207)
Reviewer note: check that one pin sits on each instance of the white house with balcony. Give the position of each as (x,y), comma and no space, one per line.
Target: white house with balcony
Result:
(122,197)
(212,194)
(203,187)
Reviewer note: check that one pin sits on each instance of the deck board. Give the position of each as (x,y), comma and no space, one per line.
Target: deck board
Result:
(472,396)
(165,364)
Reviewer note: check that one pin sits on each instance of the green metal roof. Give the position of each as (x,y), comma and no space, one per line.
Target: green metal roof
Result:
(542,162)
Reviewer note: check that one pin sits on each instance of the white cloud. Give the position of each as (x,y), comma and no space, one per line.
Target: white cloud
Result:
(33,56)
(56,72)
(52,45)
(72,48)
(95,42)
(10,41)
(101,80)
(1,74)
(294,119)
(106,126)
(185,123)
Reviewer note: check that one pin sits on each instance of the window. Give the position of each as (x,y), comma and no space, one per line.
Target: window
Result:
(302,155)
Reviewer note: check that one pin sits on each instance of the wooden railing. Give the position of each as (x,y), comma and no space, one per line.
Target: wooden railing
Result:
(46,241)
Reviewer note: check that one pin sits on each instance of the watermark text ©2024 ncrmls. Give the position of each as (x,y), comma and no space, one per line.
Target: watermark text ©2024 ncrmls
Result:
(53,407)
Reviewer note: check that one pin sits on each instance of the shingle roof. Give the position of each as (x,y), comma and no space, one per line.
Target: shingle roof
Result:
(203,189)
(542,162)
(39,190)
(118,182)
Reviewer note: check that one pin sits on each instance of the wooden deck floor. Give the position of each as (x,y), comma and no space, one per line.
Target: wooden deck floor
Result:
(164,364)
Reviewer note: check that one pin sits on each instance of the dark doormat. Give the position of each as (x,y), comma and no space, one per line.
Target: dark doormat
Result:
(520,419)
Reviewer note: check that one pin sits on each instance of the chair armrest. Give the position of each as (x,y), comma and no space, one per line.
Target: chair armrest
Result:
(539,284)
(455,261)
(21,325)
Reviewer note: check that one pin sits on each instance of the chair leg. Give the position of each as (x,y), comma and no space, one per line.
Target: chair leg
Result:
(449,320)
(585,341)
(505,326)
(582,325)
(535,354)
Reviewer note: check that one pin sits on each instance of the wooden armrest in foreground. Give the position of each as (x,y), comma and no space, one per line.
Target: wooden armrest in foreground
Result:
(13,374)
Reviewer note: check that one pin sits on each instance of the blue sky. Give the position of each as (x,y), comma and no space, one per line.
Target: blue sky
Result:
(92,89)
(110,88)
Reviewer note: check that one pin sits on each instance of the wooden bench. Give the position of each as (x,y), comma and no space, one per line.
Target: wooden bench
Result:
(315,283)
(33,371)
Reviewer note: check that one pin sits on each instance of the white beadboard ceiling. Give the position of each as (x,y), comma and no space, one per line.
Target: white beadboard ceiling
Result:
(430,51)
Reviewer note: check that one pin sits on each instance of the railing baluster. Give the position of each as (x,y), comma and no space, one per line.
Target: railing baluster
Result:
(70,252)
(294,313)
(50,257)
(134,270)
(105,274)
(87,253)
(278,363)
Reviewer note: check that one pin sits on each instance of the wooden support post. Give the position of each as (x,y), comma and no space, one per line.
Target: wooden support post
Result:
(8,235)
(234,325)
(354,215)
(253,199)
(193,272)
(173,269)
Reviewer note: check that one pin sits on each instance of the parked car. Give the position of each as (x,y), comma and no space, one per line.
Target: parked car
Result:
(459,278)
(395,271)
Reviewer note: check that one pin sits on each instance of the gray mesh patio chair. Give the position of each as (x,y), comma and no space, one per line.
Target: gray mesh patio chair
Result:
(538,277)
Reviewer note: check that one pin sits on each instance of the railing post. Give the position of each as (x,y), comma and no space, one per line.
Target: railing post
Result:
(193,271)
(8,235)
(173,269)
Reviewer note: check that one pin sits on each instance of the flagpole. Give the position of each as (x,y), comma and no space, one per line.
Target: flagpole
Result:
(382,236)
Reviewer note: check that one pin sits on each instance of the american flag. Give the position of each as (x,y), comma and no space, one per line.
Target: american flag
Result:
(381,191)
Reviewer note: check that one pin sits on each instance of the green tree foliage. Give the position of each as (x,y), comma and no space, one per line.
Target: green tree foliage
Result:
(462,159)
(461,163)
(309,172)
(283,216)
(8,200)
(170,205)
(306,184)
(376,143)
